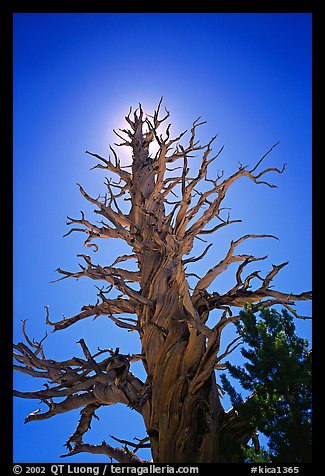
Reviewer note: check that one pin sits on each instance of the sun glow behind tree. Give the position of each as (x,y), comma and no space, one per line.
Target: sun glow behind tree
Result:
(249,112)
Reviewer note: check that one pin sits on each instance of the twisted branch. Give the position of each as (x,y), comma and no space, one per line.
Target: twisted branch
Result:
(119,454)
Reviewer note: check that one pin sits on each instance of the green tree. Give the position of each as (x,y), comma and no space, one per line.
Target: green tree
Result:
(277,372)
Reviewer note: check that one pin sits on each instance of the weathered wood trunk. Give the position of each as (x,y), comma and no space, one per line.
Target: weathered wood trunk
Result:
(183,414)
(180,399)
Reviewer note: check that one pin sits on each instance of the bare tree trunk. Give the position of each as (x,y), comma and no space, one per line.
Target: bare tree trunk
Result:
(180,399)
(183,416)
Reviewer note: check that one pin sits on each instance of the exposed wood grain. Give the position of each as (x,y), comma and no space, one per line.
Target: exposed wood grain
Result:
(180,401)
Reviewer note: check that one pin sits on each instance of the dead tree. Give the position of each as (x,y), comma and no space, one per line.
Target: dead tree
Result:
(180,401)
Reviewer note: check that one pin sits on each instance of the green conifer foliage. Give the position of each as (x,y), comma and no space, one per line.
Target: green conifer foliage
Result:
(277,373)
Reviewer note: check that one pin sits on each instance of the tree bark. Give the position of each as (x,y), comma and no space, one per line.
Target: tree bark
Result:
(183,415)
(180,401)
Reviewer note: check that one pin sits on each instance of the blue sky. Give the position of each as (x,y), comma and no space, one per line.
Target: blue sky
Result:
(75,77)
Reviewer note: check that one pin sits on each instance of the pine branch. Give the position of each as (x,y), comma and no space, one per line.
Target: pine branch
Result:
(86,416)
(119,454)
(221,190)
(125,176)
(230,258)
(115,276)
(100,383)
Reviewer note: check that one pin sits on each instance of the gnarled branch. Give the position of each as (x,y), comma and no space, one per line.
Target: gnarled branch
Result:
(210,276)
(119,454)
(81,383)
